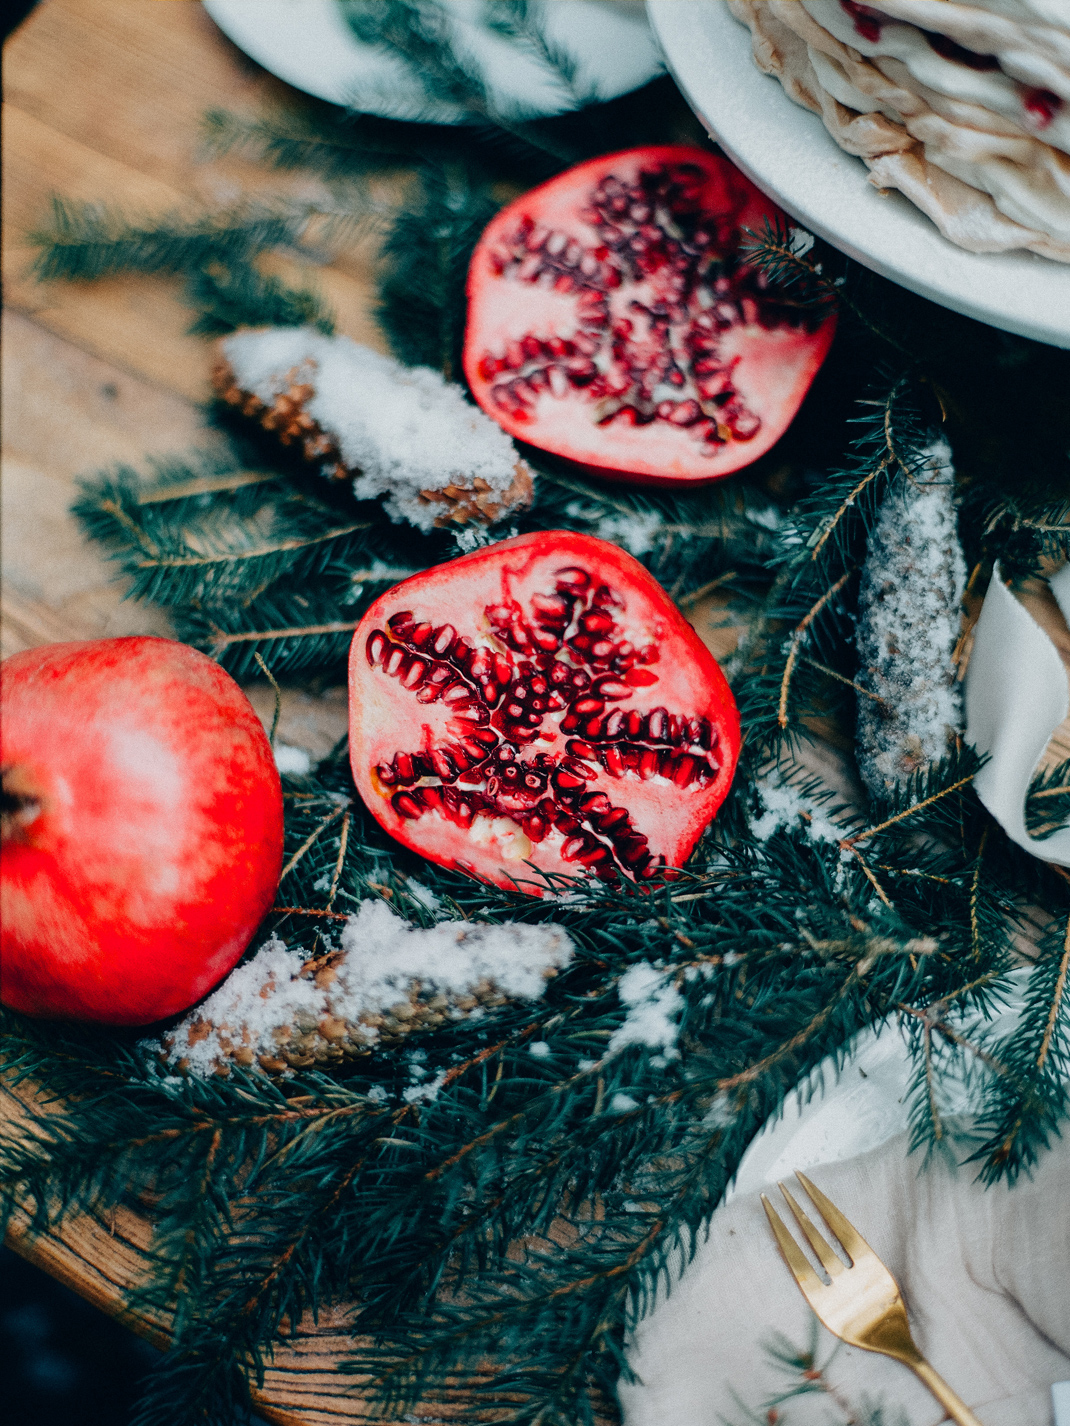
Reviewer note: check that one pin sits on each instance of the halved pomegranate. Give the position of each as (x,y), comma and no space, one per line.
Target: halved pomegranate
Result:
(540,701)
(612,320)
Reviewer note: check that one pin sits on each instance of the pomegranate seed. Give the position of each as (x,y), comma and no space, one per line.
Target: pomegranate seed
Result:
(414,674)
(579,768)
(649,763)
(572,580)
(374,647)
(613,761)
(566,781)
(658,725)
(580,370)
(616,817)
(399,624)
(633,849)
(403,803)
(595,622)
(684,771)
(443,764)
(634,723)
(640,678)
(394,660)
(558,382)
(386,774)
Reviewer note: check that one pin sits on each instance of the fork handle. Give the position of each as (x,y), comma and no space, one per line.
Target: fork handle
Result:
(952,1403)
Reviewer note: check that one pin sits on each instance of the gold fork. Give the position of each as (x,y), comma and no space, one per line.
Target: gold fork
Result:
(861,1302)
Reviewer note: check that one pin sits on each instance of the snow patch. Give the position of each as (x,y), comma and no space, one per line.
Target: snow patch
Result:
(406,430)
(654,1008)
(635,531)
(785,806)
(292,760)
(621,1103)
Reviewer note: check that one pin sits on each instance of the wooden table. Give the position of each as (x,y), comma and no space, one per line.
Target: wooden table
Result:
(104,102)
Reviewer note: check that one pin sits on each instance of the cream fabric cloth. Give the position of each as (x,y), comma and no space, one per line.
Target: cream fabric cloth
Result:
(985,1274)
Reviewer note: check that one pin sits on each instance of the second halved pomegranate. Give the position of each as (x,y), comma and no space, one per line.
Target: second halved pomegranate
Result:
(613,321)
(539,701)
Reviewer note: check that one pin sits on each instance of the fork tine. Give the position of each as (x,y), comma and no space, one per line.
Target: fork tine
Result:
(851,1240)
(796,1260)
(825,1255)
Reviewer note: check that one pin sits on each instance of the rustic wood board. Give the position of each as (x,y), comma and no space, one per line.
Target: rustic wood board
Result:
(104,102)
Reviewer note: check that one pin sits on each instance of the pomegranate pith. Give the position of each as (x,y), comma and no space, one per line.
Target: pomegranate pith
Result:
(539,701)
(613,321)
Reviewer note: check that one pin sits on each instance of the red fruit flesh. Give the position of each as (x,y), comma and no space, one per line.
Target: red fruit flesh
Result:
(539,701)
(612,321)
(142,836)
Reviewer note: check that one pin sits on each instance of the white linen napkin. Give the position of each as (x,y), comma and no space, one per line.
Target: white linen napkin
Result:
(985,1274)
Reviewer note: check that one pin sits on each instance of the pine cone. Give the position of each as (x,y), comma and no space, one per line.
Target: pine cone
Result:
(908,625)
(329,1039)
(388,980)
(446,490)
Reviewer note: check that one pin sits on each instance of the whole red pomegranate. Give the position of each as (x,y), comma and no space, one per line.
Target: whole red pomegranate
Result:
(142,828)
(613,321)
(539,701)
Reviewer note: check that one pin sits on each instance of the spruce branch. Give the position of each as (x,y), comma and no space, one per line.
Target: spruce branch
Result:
(89,241)
(1047,806)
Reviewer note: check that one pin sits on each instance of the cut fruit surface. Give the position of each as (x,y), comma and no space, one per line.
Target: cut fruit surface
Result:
(540,701)
(612,320)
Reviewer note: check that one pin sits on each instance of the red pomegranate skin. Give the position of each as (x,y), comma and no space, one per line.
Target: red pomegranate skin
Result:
(637,343)
(540,701)
(145,843)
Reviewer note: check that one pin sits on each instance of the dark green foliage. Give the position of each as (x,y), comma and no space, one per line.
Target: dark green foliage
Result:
(1030,1093)
(1047,807)
(90,241)
(236,294)
(425,263)
(251,562)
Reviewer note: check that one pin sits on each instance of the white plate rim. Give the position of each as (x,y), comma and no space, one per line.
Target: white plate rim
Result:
(789,154)
(314,56)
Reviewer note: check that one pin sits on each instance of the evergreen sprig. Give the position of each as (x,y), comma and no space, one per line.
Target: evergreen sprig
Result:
(273,1198)
(1047,807)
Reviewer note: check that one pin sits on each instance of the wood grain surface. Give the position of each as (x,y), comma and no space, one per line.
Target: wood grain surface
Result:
(104,102)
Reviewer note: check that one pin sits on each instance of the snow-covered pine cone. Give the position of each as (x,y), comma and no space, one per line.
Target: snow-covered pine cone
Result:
(403,433)
(909,618)
(386,981)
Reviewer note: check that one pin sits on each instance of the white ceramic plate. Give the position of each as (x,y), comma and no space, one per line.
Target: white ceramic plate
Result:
(790,155)
(309,45)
